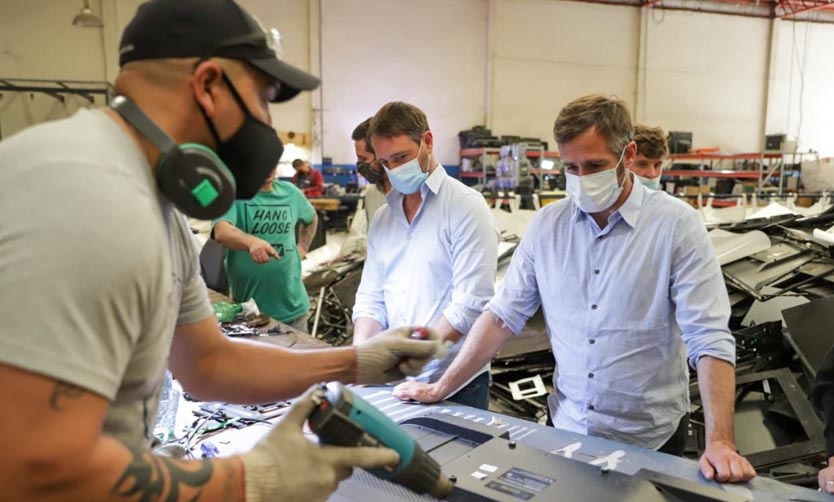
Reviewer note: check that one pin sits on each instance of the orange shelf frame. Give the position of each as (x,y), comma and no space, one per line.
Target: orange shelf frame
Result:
(752,175)
(475,152)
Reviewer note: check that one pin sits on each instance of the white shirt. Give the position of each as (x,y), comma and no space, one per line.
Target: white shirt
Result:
(442,263)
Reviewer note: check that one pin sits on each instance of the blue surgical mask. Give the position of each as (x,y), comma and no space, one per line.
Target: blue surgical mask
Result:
(651,183)
(409,177)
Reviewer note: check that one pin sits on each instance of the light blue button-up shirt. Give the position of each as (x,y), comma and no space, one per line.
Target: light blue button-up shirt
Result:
(443,263)
(623,307)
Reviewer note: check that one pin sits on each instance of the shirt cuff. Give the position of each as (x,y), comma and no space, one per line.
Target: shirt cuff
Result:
(513,321)
(371,313)
(463,310)
(723,349)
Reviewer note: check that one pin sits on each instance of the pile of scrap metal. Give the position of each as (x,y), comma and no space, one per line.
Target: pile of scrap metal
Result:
(781,256)
(776,427)
(778,266)
(332,290)
(522,373)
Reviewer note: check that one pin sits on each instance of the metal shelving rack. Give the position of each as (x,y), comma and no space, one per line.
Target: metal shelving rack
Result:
(484,153)
(58,89)
(769,163)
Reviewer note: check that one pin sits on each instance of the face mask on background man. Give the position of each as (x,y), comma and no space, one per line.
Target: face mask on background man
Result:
(369,173)
(652,183)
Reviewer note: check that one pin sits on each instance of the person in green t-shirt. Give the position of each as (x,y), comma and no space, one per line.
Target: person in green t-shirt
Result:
(263,259)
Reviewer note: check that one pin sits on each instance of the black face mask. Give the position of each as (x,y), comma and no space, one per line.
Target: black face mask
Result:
(370,174)
(251,153)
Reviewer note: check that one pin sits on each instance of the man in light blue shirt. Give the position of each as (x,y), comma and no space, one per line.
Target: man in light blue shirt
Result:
(432,249)
(631,291)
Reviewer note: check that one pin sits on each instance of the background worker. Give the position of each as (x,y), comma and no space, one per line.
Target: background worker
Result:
(307,178)
(263,255)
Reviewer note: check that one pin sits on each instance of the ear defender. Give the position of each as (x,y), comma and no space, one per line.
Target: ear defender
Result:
(192,176)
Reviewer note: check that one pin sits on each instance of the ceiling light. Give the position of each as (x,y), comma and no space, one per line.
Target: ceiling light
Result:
(86,18)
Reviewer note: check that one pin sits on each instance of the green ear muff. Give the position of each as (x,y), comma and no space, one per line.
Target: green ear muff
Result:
(192,176)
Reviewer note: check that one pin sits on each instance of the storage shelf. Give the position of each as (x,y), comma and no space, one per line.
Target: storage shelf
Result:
(537,172)
(725,156)
(715,202)
(724,203)
(544,172)
(752,175)
(475,152)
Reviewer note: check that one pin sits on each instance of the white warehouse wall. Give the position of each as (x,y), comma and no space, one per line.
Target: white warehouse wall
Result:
(801,99)
(545,53)
(706,73)
(429,53)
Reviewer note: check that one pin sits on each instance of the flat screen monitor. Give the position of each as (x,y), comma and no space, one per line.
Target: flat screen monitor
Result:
(810,331)
(679,142)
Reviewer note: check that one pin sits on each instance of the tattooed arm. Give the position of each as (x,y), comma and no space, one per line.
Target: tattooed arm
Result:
(306,234)
(54,449)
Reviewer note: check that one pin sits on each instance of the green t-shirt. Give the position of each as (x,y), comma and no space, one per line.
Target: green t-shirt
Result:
(272,216)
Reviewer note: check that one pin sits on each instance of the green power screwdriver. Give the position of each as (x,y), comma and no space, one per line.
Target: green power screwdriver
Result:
(344,419)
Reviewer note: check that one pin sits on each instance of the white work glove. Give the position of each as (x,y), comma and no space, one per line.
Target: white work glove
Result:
(392,355)
(288,467)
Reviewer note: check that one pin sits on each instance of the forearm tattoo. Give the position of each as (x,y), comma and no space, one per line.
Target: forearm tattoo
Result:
(148,478)
(62,392)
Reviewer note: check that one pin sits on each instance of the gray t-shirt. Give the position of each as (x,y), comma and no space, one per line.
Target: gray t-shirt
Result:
(96,267)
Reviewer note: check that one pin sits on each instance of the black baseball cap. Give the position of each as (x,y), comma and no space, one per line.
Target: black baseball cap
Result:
(209,28)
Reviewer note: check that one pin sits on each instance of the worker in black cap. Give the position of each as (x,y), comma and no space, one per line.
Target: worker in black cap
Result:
(100,289)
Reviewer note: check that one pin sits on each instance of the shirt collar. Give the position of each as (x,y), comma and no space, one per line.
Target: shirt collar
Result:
(630,210)
(436,179)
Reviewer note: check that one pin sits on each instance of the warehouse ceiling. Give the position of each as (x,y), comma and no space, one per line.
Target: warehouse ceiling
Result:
(821,11)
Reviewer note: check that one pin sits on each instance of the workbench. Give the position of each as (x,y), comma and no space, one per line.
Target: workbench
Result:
(289,336)
(596,451)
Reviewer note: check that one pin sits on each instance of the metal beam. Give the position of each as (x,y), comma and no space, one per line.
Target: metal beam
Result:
(789,8)
(763,9)
(57,88)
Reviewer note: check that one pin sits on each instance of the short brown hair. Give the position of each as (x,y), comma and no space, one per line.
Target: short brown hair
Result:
(609,116)
(397,119)
(651,141)
(361,132)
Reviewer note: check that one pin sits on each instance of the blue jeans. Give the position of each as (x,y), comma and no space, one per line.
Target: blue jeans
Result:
(475,394)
